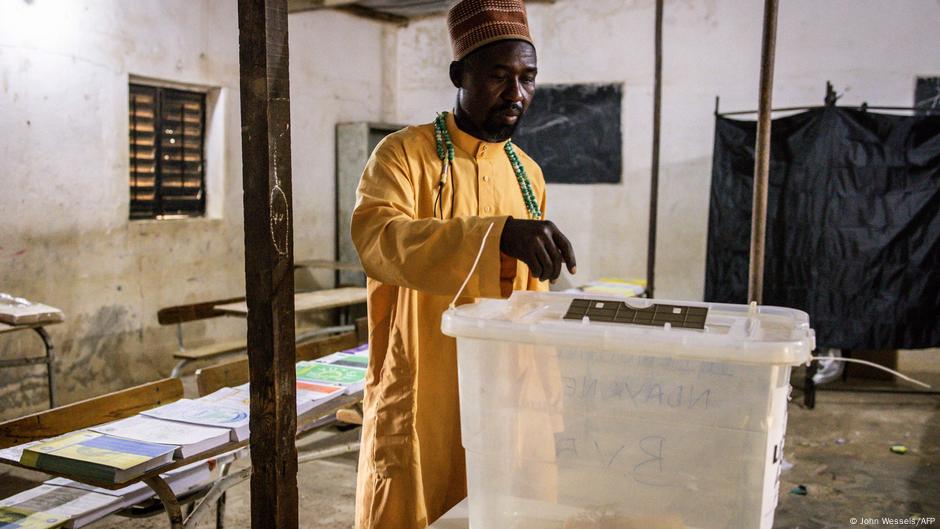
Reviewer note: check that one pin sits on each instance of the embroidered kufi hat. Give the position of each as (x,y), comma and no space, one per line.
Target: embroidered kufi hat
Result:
(476,23)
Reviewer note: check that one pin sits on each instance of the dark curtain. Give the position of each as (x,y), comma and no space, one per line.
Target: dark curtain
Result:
(853,228)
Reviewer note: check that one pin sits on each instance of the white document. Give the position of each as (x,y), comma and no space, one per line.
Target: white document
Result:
(192,439)
(309,394)
(19,311)
(14,453)
(219,413)
(129,495)
(79,506)
(235,397)
(180,480)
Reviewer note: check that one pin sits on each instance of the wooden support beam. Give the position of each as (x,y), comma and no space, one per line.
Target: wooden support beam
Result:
(755,289)
(269,278)
(654,171)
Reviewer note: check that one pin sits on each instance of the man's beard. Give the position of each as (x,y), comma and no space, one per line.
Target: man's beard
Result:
(494,128)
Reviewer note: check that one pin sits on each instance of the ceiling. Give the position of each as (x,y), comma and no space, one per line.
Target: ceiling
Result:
(397,11)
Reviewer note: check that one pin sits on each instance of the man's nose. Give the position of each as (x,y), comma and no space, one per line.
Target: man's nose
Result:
(514,92)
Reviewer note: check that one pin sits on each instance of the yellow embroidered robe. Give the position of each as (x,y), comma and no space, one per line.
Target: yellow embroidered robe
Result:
(411,466)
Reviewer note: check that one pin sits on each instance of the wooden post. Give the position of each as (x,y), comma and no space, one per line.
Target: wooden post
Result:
(654,176)
(269,280)
(762,154)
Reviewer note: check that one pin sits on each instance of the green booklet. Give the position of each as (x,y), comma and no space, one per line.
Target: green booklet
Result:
(352,378)
(97,456)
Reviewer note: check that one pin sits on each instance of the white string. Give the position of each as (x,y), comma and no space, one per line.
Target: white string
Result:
(473,268)
(872,364)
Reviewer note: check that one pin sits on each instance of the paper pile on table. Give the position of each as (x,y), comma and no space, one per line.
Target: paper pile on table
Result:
(19,311)
(190,439)
(181,481)
(97,456)
(222,409)
(48,506)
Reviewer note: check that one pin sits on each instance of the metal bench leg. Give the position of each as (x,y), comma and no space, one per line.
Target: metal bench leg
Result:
(809,387)
(325,453)
(220,503)
(178,369)
(50,360)
(179,340)
(215,493)
(170,503)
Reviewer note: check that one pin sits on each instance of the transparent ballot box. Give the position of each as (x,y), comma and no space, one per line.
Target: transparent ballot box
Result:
(583,412)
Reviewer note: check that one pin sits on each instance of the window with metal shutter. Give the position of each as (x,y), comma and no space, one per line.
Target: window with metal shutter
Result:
(167,166)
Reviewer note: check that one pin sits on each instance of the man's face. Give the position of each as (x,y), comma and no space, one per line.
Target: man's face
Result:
(496,84)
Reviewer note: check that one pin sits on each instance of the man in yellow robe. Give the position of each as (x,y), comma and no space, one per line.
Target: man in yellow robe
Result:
(418,235)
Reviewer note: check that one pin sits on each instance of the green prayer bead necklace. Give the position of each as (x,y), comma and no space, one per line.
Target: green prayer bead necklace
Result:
(445,151)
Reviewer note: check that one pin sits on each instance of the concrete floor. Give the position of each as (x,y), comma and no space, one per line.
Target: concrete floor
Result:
(840,452)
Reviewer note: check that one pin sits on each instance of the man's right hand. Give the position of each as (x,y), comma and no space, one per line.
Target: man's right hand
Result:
(540,245)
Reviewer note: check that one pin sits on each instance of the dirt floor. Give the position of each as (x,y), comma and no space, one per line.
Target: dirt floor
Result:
(840,452)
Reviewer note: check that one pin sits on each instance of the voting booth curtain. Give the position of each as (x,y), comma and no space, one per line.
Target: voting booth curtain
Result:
(853,227)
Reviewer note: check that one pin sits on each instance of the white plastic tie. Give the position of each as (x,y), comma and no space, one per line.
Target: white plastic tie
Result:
(473,268)
(872,364)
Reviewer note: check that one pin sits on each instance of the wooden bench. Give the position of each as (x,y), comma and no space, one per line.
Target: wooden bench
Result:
(181,314)
(304,302)
(89,412)
(131,401)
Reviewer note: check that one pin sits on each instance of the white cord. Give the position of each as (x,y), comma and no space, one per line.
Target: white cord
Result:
(473,268)
(872,364)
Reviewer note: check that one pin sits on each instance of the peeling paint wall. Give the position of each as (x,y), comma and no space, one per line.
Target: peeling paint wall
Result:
(870,50)
(65,237)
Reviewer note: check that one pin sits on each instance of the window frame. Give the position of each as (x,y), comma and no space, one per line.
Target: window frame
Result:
(159,209)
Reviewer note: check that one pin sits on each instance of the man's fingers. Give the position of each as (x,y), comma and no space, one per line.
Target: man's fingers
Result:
(534,265)
(556,259)
(545,260)
(566,250)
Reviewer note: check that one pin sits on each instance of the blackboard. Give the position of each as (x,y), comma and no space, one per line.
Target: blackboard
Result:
(573,132)
(927,95)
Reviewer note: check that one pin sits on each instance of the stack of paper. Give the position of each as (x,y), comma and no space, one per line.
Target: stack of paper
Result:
(313,394)
(97,456)
(330,370)
(181,481)
(345,359)
(15,453)
(20,311)
(225,410)
(48,506)
(309,394)
(612,286)
(361,348)
(191,439)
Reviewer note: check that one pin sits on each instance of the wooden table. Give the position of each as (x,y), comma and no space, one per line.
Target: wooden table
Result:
(171,503)
(308,301)
(48,359)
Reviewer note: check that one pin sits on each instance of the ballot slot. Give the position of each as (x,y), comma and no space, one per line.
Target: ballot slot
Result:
(657,315)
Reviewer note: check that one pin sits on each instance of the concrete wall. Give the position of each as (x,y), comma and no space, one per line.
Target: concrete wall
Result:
(869,49)
(65,237)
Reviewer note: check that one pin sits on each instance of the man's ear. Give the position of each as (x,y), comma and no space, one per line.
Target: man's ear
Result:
(456,73)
